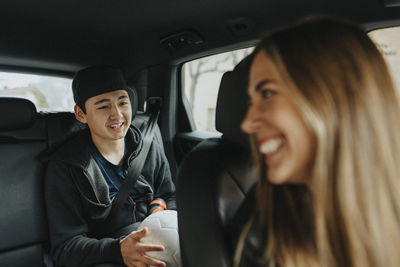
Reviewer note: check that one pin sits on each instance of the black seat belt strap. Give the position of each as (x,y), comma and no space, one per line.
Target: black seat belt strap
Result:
(153,108)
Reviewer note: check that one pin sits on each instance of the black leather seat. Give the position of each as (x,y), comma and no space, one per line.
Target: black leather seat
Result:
(214,180)
(23,224)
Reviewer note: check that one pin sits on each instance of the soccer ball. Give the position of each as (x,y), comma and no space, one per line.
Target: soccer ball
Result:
(163,230)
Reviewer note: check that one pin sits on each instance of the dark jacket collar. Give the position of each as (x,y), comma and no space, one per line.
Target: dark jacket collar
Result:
(75,150)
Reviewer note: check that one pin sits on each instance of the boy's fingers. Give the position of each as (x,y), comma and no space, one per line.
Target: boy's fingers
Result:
(153,262)
(139,264)
(139,234)
(145,247)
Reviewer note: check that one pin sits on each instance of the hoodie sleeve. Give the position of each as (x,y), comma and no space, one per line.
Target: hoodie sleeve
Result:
(157,167)
(164,186)
(68,228)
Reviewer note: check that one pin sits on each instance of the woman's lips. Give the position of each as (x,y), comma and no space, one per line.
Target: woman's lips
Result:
(272,149)
(270,145)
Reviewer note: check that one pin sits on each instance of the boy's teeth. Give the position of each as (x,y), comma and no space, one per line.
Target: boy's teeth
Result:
(116,125)
(270,146)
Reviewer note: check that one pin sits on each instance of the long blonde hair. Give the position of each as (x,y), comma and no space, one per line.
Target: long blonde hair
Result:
(349,215)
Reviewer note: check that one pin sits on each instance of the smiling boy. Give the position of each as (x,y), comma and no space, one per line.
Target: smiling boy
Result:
(85,174)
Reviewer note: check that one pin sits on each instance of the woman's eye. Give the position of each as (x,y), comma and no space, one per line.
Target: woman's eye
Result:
(266,93)
(123,103)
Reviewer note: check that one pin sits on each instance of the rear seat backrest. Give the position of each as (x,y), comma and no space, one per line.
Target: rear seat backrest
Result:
(23,224)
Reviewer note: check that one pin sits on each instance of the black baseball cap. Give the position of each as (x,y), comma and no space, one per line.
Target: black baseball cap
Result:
(97,80)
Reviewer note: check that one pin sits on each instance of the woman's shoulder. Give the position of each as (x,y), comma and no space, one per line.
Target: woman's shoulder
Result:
(254,246)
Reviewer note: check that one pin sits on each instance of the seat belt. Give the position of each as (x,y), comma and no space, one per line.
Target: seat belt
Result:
(153,108)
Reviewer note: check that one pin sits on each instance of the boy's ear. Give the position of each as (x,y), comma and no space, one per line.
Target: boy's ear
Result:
(79,114)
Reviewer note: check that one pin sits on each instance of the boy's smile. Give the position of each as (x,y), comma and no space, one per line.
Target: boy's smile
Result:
(108,116)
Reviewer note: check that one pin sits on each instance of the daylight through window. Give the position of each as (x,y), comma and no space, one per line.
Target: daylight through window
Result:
(46,92)
(388,42)
(201,79)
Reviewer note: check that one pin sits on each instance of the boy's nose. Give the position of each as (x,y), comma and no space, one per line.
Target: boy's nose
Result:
(115,111)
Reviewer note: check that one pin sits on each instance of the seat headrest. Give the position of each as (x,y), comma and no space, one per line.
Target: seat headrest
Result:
(232,103)
(17,113)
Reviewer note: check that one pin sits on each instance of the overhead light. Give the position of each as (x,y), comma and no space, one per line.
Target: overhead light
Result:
(180,40)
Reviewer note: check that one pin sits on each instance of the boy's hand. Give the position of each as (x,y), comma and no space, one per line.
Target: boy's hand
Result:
(133,252)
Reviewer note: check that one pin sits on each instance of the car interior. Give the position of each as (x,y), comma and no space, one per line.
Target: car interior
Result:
(151,41)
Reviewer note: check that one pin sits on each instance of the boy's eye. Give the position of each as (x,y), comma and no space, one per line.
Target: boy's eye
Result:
(103,107)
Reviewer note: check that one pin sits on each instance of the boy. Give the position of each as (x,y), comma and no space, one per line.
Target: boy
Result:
(85,174)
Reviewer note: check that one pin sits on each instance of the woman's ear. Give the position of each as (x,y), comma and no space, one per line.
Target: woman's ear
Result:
(79,114)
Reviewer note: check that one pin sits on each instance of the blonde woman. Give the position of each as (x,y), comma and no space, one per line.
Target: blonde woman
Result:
(325,119)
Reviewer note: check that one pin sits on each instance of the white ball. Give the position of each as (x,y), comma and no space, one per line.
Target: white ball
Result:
(163,230)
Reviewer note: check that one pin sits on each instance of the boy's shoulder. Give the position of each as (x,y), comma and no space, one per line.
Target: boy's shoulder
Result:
(74,147)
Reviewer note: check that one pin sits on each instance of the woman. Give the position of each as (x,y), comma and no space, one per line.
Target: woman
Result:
(324,116)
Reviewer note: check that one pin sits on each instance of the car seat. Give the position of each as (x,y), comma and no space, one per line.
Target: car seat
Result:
(23,223)
(215,179)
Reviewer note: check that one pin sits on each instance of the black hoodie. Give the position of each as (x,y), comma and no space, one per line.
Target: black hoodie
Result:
(78,204)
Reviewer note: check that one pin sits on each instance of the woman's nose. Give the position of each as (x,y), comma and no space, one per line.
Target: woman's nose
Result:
(251,122)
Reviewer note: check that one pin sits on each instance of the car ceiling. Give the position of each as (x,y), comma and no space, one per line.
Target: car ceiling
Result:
(64,36)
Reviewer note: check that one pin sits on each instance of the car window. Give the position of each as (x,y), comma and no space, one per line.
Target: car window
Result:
(201,79)
(48,93)
(388,42)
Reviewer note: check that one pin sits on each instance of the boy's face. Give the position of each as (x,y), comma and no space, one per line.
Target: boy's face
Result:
(108,115)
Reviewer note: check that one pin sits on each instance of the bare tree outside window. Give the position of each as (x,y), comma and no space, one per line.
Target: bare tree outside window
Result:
(201,79)
(388,42)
